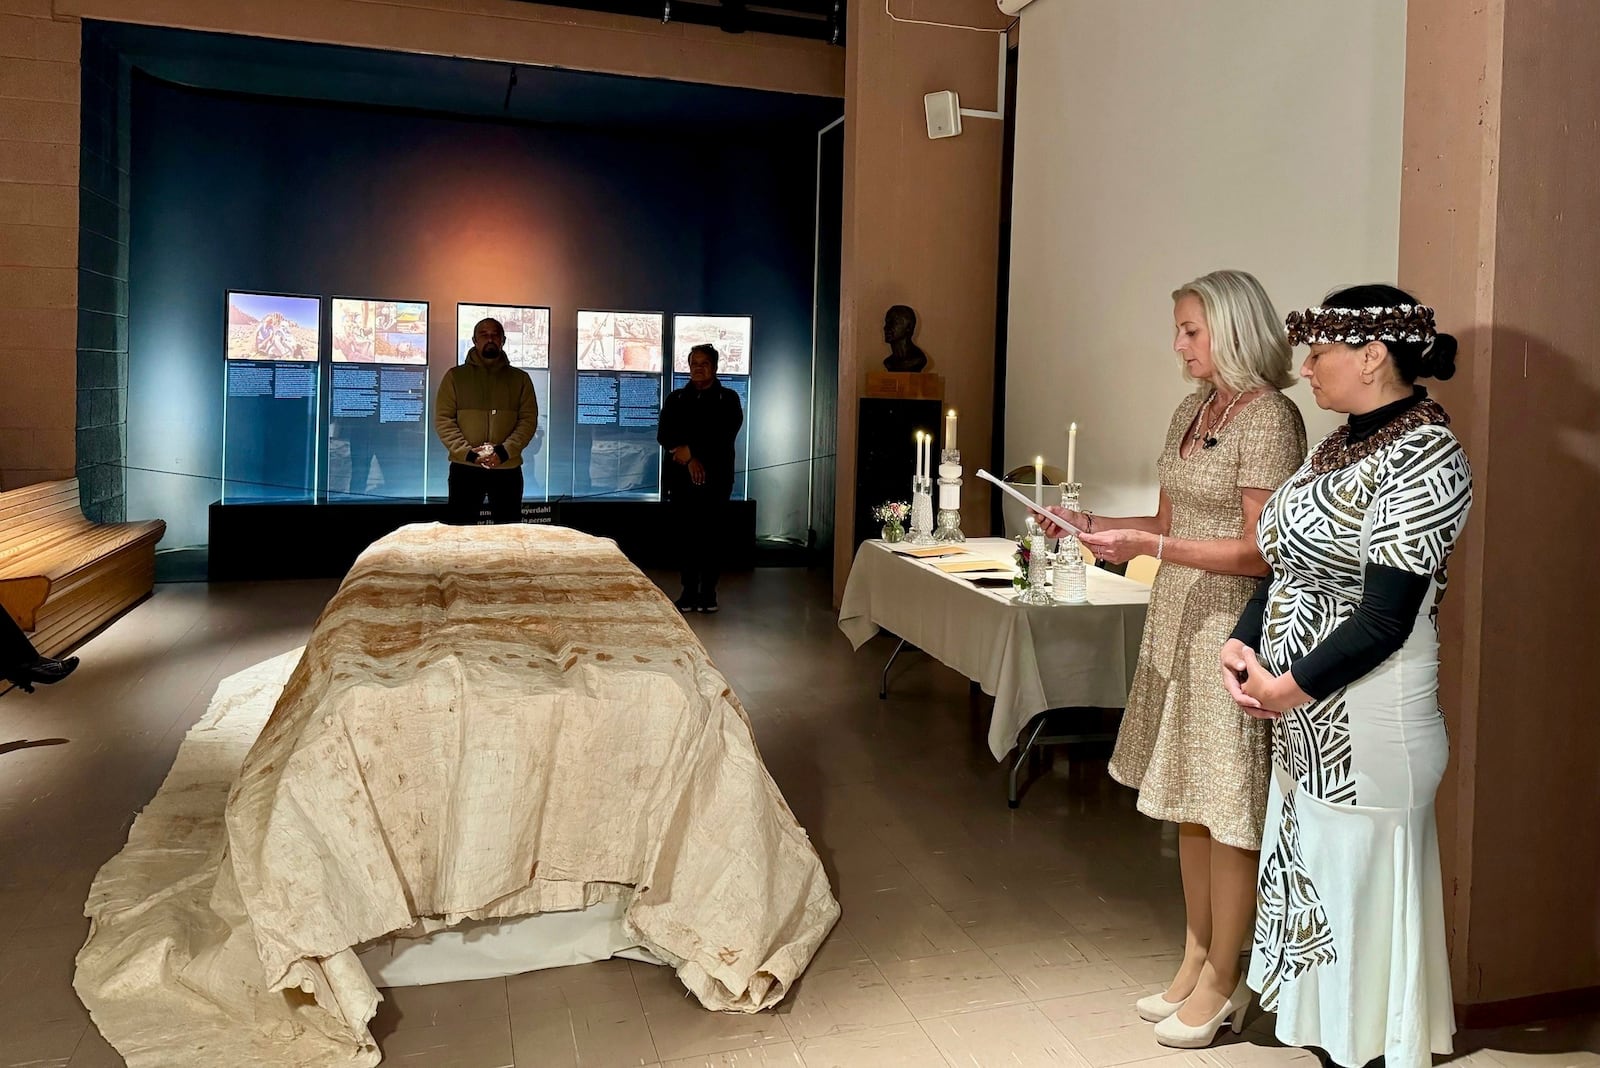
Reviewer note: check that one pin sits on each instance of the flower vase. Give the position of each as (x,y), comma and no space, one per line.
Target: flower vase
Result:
(893,532)
(1033,583)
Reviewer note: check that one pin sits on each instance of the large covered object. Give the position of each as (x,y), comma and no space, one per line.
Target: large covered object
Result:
(485,723)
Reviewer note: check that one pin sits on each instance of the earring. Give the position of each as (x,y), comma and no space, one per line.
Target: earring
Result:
(1366,379)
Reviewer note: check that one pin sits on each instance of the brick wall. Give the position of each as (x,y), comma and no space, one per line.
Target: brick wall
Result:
(39,93)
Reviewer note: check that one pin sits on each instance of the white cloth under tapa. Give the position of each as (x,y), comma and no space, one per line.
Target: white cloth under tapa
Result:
(1029,658)
(485,723)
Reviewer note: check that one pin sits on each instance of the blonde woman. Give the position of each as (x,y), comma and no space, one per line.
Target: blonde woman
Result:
(1195,759)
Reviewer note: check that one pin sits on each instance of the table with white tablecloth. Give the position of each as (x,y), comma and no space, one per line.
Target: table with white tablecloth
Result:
(1029,658)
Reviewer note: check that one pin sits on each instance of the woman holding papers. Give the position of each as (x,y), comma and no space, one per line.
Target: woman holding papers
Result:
(1184,745)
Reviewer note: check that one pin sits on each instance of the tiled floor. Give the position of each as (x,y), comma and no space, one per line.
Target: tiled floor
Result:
(972,934)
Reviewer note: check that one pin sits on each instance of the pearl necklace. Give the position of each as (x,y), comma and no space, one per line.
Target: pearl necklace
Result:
(1206,436)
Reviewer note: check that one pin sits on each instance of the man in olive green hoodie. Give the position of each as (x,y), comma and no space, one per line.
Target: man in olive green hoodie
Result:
(486,414)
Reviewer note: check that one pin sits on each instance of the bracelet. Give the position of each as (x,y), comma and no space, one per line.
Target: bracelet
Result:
(1161,544)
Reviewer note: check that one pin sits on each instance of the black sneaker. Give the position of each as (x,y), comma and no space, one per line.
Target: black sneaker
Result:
(708,603)
(687,603)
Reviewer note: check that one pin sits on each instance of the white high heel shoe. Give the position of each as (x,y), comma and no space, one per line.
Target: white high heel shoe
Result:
(1178,1035)
(1156,1007)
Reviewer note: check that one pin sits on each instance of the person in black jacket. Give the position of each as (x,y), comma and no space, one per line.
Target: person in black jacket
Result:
(20,662)
(697,428)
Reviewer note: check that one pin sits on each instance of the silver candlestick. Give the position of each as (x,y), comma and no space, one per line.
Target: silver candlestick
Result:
(1071,573)
(949,528)
(921,511)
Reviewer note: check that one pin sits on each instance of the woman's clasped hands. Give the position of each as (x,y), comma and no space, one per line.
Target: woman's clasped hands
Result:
(1255,689)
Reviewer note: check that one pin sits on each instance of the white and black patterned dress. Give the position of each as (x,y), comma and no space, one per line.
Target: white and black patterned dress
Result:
(1350,939)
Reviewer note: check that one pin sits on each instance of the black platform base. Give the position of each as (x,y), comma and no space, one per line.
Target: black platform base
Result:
(284,540)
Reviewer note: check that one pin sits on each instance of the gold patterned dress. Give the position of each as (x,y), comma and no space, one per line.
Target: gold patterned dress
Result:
(1184,745)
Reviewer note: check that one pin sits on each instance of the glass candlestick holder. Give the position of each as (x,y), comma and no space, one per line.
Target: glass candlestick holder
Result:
(1071,573)
(1036,571)
(921,511)
(948,527)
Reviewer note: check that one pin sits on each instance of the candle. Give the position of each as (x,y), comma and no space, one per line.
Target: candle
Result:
(950,430)
(917,461)
(927,455)
(1038,480)
(1072,453)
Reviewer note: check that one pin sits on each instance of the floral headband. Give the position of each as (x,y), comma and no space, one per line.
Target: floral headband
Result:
(1357,326)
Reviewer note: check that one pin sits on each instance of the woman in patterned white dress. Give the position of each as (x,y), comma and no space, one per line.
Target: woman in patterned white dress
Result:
(1340,648)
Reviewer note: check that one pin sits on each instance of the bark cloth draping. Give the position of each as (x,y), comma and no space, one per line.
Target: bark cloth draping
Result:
(485,722)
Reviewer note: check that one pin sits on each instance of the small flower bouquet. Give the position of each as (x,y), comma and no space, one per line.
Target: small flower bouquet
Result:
(893,516)
(1024,557)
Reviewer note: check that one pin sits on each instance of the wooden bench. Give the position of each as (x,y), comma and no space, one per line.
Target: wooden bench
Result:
(63,577)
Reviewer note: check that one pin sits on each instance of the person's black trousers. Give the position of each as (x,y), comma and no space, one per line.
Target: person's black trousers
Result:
(470,484)
(16,651)
(699,521)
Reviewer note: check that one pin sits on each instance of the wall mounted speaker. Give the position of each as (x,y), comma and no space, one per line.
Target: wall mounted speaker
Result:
(944,114)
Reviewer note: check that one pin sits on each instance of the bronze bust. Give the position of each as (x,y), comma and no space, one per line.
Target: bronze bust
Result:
(899,324)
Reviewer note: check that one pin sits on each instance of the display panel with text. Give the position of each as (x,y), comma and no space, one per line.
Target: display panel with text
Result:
(269,414)
(731,336)
(620,363)
(740,384)
(528,347)
(378,399)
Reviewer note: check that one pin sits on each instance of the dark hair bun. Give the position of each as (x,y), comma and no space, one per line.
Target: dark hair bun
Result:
(1412,359)
(1439,361)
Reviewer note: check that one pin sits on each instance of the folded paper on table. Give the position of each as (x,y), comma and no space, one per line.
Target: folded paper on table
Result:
(956,567)
(926,552)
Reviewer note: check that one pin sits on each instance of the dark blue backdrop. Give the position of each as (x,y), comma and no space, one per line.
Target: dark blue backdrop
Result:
(273,195)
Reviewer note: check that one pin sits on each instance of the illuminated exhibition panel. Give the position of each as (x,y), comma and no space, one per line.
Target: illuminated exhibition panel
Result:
(269,415)
(730,334)
(528,347)
(378,426)
(619,370)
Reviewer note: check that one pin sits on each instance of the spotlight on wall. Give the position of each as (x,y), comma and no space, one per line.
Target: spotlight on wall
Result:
(944,114)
